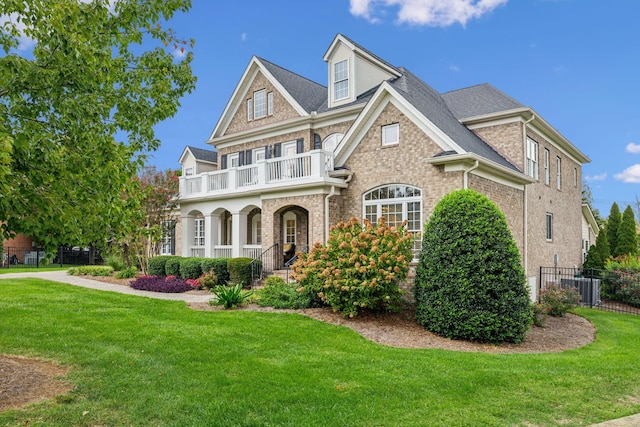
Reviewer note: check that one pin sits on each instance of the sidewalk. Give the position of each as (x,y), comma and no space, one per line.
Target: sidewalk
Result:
(63,277)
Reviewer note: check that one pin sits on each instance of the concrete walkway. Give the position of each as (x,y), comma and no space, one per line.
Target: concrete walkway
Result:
(63,277)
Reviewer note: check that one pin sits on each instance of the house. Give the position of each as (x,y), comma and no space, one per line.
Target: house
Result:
(590,229)
(295,157)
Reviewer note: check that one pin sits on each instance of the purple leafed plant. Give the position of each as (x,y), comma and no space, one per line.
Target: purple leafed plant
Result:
(169,284)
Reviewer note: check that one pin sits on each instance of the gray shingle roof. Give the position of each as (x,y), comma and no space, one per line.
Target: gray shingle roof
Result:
(309,94)
(434,107)
(204,155)
(478,101)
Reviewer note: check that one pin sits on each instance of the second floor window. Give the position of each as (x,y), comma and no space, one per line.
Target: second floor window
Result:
(532,158)
(558,173)
(261,105)
(549,227)
(341,80)
(546,167)
(391,134)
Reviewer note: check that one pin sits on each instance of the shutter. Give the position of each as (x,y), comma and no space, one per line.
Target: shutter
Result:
(317,142)
(267,152)
(223,161)
(277,149)
(300,145)
(247,157)
(240,158)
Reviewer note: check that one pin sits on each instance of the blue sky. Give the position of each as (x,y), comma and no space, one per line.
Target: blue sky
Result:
(576,62)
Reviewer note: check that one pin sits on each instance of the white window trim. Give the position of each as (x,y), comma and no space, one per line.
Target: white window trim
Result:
(198,232)
(336,81)
(231,158)
(532,158)
(188,171)
(331,142)
(289,216)
(258,155)
(386,142)
(269,103)
(250,109)
(558,173)
(260,108)
(547,174)
(549,227)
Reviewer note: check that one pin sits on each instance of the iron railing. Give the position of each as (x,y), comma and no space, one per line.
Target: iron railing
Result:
(265,264)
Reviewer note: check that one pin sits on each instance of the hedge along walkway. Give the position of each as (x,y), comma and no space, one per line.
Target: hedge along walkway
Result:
(63,277)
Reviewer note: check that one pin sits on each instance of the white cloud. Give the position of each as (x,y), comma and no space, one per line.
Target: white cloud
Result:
(243,37)
(437,13)
(632,148)
(454,68)
(24,42)
(179,52)
(600,177)
(630,175)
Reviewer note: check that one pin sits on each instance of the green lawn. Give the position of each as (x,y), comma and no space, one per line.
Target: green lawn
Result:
(143,362)
(31,269)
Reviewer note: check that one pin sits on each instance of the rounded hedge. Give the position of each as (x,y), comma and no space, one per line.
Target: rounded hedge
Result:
(172,266)
(240,270)
(469,282)
(157,265)
(190,268)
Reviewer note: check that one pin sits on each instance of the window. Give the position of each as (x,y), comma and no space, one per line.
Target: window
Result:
(391,134)
(198,232)
(575,177)
(532,158)
(270,103)
(258,154)
(234,160)
(259,104)
(257,229)
(546,167)
(167,246)
(188,171)
(289,228)
(331,142)
(396,203)
(249,109)
(558,173)
(341,80)
(549,228)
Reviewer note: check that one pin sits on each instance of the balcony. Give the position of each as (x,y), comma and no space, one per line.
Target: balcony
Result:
(305,168)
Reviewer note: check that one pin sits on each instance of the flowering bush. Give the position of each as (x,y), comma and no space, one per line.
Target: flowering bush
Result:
(622,281)
(359,268)
(540,314)
(559,300)
(169,284)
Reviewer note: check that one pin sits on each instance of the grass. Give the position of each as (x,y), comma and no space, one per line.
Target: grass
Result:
(139,361)
(32,269)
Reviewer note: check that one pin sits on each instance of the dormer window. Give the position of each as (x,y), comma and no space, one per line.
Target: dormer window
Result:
(261,105)
(341,80)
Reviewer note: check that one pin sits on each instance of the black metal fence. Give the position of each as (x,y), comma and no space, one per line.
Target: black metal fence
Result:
(35,257)
(615,290)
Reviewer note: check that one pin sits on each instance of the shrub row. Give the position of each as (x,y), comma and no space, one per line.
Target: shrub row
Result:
(91,270)
(234,270)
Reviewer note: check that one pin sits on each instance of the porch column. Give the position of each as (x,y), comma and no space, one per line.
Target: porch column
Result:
(238,233)
(211,233)
(187,235)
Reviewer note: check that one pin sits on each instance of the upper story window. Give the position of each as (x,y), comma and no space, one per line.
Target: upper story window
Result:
(547,176)
(391,134)
(233,160)
(261,105)
(188,171)
(549,227)
(558,173)
(532,158)
(331,142)
(341,80)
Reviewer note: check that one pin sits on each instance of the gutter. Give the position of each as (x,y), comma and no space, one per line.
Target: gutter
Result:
(465,175)
(525,211)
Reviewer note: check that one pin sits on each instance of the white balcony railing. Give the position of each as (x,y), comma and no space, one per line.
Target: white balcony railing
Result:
(197,252)
(222,251)
(252,251)
(279,171)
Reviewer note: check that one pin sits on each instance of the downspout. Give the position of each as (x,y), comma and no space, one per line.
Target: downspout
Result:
(332,193)
(525,211)
(465,175)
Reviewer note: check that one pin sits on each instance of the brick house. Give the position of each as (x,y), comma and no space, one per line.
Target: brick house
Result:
(293,157)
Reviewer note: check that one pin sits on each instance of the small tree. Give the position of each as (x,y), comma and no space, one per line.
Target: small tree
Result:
(627,237)
(470,283)
(613,222)
(598,253)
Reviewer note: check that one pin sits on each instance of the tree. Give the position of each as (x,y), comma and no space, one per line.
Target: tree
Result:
(613,222)
(77,112)
(598,253)
(469,282)
(627,237)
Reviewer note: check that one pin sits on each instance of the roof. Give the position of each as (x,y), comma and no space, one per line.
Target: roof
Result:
(479,100)
(434,107)
(309,94)
(203,155)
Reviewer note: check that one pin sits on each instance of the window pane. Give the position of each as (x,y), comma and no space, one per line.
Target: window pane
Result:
(270,103)
(341,79)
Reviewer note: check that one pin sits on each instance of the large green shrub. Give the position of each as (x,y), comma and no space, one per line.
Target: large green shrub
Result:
(359,268)
(221,269)
(172,266)
(157,265)
(470,283)
(598,253)
(190,268)
(613,223)
(240,270)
